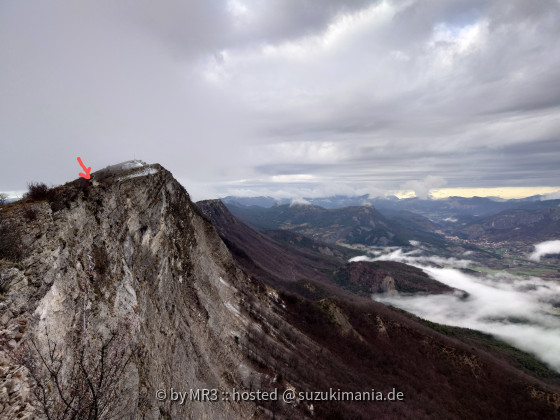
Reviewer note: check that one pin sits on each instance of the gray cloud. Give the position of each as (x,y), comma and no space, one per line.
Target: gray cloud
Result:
(367,93)
(278,20)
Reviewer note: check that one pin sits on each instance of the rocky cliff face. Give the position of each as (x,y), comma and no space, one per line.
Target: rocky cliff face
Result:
(130,246)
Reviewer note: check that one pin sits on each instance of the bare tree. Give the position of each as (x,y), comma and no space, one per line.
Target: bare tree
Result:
(82,379)
(3,198)
(84,385)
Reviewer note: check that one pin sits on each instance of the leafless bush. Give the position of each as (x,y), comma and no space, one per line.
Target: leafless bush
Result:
(58,197)
(37,191)
(3,198)
(81,378)
(85,385)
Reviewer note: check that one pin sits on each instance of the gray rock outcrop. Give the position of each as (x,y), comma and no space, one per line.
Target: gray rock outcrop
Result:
(130,247)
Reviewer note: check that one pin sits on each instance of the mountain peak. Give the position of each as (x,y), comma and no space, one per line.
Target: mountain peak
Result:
(126,170)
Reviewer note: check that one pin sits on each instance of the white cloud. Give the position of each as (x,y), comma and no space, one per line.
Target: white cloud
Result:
(303,152)
(552,196)
(292,178)
(416,257)
(545,248)
(238,9)
(449,42)
(299,202)
(518,310)
(423,187)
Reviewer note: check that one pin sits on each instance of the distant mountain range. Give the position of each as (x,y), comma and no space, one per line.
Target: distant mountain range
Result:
(395,222)
(352,225)
(445,210)
(534,225)
(435,209)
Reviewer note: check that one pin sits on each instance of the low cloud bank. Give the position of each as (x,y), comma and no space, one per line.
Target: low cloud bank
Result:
(517,310)
(414,257)
(545,248)
(552,196)
(299,202)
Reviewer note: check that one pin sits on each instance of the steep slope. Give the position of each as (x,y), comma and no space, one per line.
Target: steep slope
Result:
(127,263)
(267,259)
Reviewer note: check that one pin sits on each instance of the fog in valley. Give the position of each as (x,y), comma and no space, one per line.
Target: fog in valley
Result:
(522,311)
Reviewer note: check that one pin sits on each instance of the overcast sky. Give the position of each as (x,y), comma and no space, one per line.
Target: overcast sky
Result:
(284,97)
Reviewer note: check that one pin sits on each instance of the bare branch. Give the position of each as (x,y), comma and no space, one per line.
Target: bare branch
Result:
(82,381)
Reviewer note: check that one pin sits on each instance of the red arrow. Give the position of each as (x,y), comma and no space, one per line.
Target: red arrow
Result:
(86,170)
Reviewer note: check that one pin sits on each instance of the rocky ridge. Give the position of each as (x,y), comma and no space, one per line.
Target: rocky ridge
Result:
(130,246)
